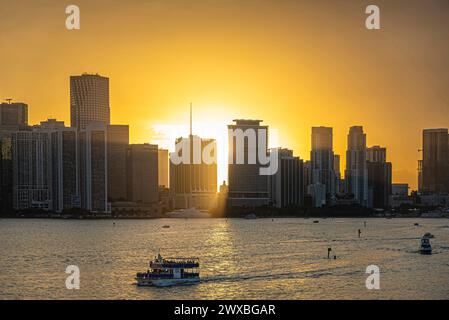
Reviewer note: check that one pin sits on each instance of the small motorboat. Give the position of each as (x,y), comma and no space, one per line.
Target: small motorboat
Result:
(416,224)
(425,247)
(316,221)
(251,216)
(166,226)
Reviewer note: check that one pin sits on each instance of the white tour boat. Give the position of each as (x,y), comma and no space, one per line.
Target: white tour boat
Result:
(164,272)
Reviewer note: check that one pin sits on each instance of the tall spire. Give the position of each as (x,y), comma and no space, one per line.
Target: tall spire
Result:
(190,118)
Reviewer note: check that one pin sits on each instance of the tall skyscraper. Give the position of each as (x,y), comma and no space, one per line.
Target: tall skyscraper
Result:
(45,167)
(322,158)
(13,114)
(118,142)
(193,172)
(163,168)
(194,184)
(379,177)
(93,168)
(89,100)
(64,191)
(31,154)
(435,162)
(356,173)
(247,187)
(143,173)
(287,183)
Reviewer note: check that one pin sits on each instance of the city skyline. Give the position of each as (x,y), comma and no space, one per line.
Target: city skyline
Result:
(391,83)
(221,141)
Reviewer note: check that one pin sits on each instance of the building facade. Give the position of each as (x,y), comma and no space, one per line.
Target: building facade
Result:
(322,159)
(435,162)
(247,187)
(356,173)
(193,181)
(13,114)
(142,160)
(117,149)
(93,168)
(89,100)
(379,177)
(287,183)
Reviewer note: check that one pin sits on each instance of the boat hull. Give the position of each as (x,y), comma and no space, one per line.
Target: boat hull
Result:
(145,282)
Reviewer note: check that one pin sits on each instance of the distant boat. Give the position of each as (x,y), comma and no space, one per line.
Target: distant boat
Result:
(425,247)
(428,235)
(250,216)
(166,226)
(416,224)
(316,221)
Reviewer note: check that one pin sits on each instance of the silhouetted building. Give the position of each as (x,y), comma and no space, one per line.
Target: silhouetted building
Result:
(13,114)
(307,175)
(247,187)
(376,154)
(31,154)
(45,167)
(89,100)
(6,184)
(193,182)
(118,142)
(435,162)
(143,173)
(337,172)
(163,168)
(64,192)
(93,168)
(322,158)
(379,177)
(287,183)
(356,173)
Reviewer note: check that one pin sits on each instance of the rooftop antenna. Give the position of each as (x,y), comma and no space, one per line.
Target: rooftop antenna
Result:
(9,100)
(190,118)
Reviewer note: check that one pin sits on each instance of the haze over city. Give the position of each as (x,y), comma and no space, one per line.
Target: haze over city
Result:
(234,59)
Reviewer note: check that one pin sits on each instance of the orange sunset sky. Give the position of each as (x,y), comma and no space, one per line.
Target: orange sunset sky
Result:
(294,64)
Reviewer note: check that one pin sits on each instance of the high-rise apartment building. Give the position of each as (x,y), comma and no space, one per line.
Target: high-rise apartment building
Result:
(322,158)
(247,187)
(92,157)
(356,173)
(117,148)
(45,167)
(31,154)
(287,183)
(143,173)
(379,177)
(435,162)
(89,100)
(193,181)
(13,114)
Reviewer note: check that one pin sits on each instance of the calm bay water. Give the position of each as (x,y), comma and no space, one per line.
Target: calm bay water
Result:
(240,259)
